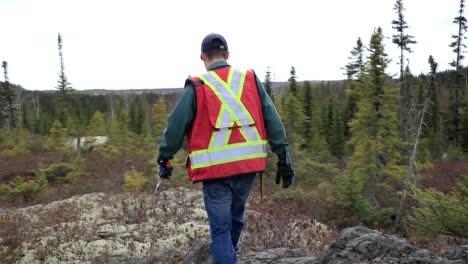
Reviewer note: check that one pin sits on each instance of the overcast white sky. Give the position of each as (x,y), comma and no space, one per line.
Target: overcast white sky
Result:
(123,44)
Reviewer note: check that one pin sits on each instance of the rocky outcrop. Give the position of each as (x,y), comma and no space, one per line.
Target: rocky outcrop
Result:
(200,254)
(105,228)
(173,228)
(362,245)
(279,255)
(354,245)
(457,253)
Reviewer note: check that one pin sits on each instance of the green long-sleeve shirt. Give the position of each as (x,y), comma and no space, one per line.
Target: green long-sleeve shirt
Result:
(181,118)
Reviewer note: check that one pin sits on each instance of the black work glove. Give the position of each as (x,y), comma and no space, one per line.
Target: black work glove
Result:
(165,169)
(286,172)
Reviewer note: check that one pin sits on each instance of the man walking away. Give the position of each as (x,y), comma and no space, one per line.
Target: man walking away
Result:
(228,119)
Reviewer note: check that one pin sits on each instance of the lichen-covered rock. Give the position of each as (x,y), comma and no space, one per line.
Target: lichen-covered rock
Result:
(173,228)
(109,228)
(362,245)
(200,254)
(278,255)
(456,253)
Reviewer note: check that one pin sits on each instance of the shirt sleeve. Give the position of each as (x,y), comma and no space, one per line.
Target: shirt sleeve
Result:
(274,127)
(179,122)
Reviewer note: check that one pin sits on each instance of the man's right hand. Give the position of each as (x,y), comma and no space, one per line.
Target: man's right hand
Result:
(286,173)
(165,169)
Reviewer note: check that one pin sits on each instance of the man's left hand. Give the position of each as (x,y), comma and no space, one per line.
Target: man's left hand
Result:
(286,173)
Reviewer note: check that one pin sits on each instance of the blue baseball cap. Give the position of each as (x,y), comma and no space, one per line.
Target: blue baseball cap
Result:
(214,41)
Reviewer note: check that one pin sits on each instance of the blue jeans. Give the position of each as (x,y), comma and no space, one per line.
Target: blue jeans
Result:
(225,204)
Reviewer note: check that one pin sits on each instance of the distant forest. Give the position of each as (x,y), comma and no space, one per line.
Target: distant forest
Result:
(362,147)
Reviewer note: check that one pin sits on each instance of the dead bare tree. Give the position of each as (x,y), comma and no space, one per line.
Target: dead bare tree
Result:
(412,161)
(36,105)
(19,101)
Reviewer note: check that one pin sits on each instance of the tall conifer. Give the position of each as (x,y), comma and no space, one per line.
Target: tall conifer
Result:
(374,129)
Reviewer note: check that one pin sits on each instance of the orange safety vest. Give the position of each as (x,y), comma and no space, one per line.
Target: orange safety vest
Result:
(228,135)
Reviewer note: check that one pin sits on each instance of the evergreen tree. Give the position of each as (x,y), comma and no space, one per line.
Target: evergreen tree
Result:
(292,81)
(308,108)
(334,128)
(137,116)
(356,63)
(8,93)
(349,190)
(97,125)
(294,120)
(328,123)
(132,114)
(337,140)
(455,96)
(402,40)
(464,127)
(57,139)
(457,44)
(25,118)
(442,213)
(354,70)
(434,129)
(317,145)
(159,118)
(119,127)
(267,84)
(141,117)
(374,138)
(406,99)
(63,86)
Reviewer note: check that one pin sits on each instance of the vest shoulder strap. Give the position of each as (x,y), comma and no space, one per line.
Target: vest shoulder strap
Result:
(193,81)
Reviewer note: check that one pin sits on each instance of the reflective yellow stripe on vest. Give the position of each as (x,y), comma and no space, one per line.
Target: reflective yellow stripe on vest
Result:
(232,111)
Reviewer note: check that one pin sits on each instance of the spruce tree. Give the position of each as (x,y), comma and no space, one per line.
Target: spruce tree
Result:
(159,118)
(25,118)
(464,128)
(328,123)
(57,140)
(267,84)
(433,132)
(334,128)
(63,85)
(137,116)
(457,44)
(405,109)
(292,81)
(356,63)
(353,71)
(294,120)
(402,40)
(120,125)
(374,130)
(308,108)
(8,93)
(97,125)
(455,96)
(337,139)
(141,117)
